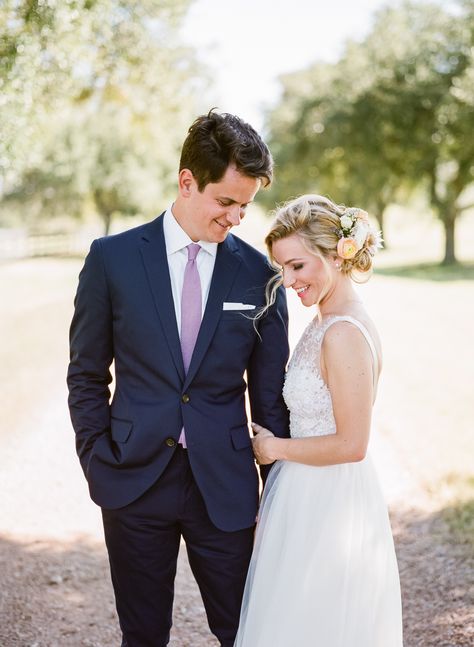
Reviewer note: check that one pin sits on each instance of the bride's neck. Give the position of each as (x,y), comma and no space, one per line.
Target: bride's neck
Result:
(341,297)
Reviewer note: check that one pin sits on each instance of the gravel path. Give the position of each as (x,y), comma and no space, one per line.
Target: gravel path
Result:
(55,588)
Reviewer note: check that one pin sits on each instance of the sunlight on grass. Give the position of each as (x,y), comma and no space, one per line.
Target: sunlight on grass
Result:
(431,272)
(458,512)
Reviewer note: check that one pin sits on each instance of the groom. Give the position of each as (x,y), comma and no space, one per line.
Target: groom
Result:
(171,303)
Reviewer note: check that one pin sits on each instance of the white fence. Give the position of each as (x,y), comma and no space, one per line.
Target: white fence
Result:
(17,243)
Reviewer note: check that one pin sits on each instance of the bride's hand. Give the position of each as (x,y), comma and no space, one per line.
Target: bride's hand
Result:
(264,445)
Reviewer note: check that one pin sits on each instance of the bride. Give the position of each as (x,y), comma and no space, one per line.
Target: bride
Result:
(323,571)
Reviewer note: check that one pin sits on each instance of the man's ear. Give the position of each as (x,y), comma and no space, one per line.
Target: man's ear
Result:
(186,182)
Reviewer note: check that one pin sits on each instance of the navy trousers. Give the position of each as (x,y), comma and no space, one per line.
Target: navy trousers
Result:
(143,542)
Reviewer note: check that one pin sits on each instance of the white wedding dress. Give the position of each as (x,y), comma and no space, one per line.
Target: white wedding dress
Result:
(323,572)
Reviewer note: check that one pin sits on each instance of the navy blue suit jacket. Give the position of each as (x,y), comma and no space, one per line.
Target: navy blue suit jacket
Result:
(124,313)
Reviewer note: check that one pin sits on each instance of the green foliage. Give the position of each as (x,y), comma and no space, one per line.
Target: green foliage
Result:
(459,512)
(97,95)
(396,111)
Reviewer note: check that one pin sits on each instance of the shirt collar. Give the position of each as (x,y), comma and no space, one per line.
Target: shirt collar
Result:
(176,238)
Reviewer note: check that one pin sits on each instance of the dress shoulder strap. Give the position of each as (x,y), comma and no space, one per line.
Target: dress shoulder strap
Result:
(368,339)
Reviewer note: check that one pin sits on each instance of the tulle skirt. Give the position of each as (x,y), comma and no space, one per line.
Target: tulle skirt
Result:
(323,571)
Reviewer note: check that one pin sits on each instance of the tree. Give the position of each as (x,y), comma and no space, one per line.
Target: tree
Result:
(395,111)
(113,83)
(425,103)
(325,139)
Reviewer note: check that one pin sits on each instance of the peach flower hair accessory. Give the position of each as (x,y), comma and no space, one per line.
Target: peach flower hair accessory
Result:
(355,233)
(347,248)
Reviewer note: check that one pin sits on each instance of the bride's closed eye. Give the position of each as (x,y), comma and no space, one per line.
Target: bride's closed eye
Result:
(298,267)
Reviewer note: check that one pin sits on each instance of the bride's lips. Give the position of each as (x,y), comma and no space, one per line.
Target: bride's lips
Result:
(302,290)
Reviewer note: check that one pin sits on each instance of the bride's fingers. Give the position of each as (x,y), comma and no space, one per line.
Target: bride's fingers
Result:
(258,429)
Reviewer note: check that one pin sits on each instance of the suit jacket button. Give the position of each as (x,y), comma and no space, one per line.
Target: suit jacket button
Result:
(171,442)
(185,398)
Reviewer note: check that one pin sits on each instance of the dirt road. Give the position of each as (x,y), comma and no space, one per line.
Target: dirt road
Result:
(55,589)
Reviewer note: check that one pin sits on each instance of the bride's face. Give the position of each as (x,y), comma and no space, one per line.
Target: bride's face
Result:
(302,271)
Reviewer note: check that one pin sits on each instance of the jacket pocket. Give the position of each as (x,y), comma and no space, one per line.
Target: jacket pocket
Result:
(244,317)
(120,429)
(240,437)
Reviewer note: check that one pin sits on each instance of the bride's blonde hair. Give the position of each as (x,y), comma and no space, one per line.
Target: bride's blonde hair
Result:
(317,221)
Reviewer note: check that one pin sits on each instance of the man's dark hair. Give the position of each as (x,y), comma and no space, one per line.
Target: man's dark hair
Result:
(216,141)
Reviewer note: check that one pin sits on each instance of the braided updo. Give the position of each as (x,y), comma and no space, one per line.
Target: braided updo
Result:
(327,230)
(317,220)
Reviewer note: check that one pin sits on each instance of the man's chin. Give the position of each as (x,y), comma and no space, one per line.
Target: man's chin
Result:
(221,235)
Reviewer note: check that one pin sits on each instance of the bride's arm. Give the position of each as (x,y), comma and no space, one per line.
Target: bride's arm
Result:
(346,365)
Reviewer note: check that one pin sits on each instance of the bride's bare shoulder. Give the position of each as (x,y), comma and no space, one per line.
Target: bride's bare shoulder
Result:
(343,333)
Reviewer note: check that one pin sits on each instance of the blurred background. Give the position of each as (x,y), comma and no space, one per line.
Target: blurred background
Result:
(369,102)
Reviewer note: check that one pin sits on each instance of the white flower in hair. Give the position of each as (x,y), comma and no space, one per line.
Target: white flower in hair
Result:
(360,232)
(376,242)
(346,222)
(356,233)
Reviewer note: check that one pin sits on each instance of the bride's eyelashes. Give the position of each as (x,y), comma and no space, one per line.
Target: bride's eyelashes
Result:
(298,267)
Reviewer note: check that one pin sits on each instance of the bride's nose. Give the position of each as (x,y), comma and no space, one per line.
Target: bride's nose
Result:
(288,279)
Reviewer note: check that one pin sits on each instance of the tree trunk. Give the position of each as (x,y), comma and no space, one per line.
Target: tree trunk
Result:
(107,217)
(449,223)
(447,213)
(380,217)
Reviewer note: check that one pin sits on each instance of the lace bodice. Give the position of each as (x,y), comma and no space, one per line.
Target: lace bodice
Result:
(305,392)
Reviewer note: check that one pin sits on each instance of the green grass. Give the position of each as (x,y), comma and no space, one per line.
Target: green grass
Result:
(430,272)
(459,514)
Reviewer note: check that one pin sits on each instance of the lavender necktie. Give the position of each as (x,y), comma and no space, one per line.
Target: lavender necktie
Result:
(191,305)
(191,311)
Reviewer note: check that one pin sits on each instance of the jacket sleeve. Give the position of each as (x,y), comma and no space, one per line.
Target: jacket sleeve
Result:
(266,370)
(91,354)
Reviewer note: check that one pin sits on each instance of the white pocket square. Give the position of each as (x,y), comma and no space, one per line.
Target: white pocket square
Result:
(228,305)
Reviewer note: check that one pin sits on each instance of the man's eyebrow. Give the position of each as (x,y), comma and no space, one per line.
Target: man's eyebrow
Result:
(232,201)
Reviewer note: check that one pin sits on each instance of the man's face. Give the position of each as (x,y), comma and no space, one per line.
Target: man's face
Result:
(210,214)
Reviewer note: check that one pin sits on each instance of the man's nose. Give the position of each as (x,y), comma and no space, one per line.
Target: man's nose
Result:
(234,215)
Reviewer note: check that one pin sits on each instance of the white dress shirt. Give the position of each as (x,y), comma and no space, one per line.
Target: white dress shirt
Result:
(176,241)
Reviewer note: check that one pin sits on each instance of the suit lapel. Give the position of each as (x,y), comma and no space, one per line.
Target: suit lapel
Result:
(153,252)
(225,269)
